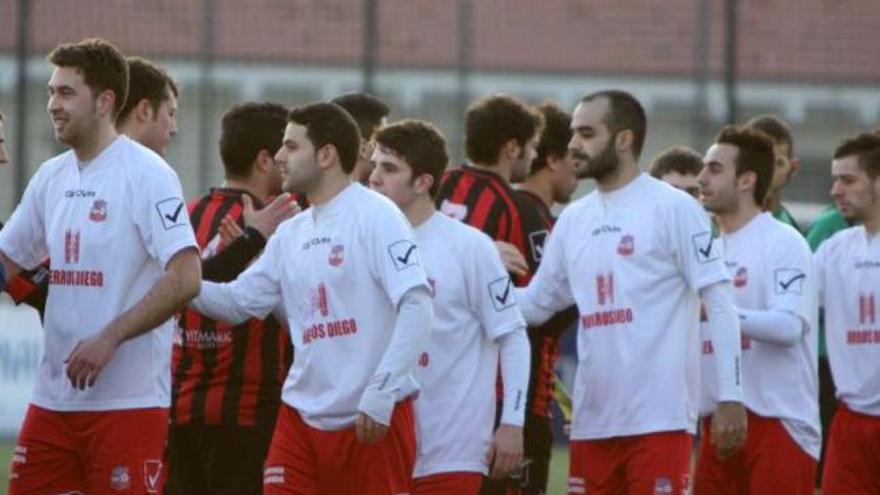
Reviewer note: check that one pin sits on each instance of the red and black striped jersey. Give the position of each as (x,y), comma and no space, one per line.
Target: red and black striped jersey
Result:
(483,200)
(545,340)
(225,374)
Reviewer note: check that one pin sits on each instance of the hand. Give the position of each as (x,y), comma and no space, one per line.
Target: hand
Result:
(368,430)
(89,357)
(505,453)
(268,219)
(229,231)
(513,260)
(729,428)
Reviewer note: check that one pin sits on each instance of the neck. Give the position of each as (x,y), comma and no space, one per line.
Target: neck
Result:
(419,210)
(773,201)
(95,143)
(626,172)
(328,187)
(540,188)
(502,169)
(744,213)
(872,222)
(250,185)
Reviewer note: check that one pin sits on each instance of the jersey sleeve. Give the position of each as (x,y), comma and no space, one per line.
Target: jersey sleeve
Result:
(255,293)
(393,253)
(698,251)
(23,238)
(550,288)
(161,214)
(794,279)
(490,289)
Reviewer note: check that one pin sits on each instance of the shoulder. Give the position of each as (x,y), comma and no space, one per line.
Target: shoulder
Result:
(52,167)
(843,238)
(142,163)
(786,237)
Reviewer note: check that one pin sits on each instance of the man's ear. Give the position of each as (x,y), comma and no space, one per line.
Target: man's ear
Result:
(143,112)
(623,141)
(795,167)
(328,156)
(511,149)
(264,161)
(423,183)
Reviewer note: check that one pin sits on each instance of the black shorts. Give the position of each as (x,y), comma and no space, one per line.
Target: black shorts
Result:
(537,449)
(216,459)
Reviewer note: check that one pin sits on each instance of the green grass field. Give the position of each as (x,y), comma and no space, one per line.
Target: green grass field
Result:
(6,446)
(558,468)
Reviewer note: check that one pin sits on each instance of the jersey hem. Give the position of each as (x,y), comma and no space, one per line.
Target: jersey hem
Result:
(632,431)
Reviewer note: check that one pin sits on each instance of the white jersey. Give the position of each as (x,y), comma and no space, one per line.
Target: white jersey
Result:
(109,228)
(848,267)
(340,269)
(633,261)
(772,269)
(473,305)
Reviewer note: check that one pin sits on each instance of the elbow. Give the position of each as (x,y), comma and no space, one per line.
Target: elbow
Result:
(185,272)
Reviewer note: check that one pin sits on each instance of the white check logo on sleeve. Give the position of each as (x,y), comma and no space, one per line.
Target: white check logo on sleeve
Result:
(501,293)
(704,247)
(171,213)
(403,254)
(789,281)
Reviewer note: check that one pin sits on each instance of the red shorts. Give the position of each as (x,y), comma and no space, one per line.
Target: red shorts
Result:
(448,483)
(306,461)
(651,463)
(770,463)
(99,453)
(852,461)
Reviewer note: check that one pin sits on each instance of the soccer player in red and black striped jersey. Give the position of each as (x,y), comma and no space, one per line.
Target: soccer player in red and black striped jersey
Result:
(501,134)
(227,379)
(552,178)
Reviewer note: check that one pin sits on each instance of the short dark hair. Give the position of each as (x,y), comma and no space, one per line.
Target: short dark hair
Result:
(147,81)
(773,126)
(755,155)
(248,129)
(866,147)
(329,123)
(554,136)
(492,121)
(624,113)
(367,110)
(421,144)
(681,159)
(102,65)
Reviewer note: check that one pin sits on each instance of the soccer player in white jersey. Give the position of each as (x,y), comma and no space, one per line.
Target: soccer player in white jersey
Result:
(636,256)
(848,268)
(110,214)
(774,285)
(475,318)
(358,304)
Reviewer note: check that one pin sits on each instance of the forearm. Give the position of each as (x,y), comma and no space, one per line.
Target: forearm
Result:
(409,338)
(534,314)
(217,301)
(724,331)
(772,326)
(230,262)
(180,283)
(515,365)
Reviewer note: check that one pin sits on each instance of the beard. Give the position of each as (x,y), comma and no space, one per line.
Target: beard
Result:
(602,166)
